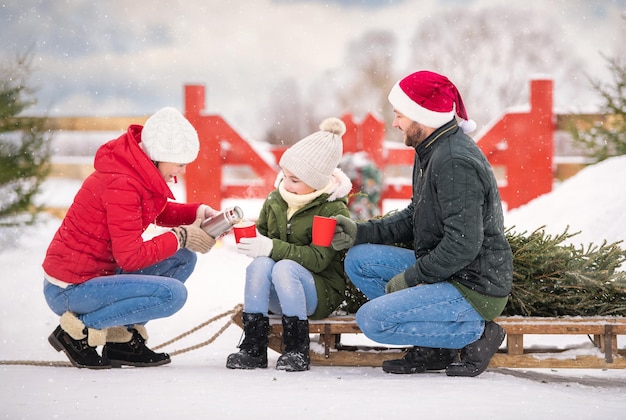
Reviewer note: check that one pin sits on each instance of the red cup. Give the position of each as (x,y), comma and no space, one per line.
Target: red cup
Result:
(323,230)
(244,230)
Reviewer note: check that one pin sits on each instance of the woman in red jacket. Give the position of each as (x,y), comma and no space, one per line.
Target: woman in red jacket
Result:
(101,277)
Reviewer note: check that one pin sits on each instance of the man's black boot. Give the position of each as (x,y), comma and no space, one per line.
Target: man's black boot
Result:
(79,343)
(127,347)
(475,357)
(421,359)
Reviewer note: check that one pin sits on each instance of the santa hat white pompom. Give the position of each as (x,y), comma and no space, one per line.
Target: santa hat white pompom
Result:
(333,125)
(468,125)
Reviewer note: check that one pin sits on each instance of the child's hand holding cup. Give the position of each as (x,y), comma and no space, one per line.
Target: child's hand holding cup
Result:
(245,229)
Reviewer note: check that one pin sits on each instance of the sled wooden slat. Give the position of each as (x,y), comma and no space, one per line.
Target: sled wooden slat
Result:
(604,331)
(538,360)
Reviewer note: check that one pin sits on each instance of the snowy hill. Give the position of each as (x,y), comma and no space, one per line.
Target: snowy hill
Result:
(592,202)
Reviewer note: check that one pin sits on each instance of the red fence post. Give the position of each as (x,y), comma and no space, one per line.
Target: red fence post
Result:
(203,178)
(522,143)
(221,146)
(351,137)
(371,136)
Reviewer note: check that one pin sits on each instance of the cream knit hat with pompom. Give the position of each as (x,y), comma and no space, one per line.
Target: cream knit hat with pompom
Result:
(314,158)
(167,136)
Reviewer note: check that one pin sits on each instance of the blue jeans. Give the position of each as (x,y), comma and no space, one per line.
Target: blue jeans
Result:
(428,315)
(157,291)
(282,287)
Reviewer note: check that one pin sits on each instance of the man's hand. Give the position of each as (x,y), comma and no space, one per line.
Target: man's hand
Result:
(396,283)
(345,233)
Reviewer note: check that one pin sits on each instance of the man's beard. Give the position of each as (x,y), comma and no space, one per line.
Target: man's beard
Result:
(414,135)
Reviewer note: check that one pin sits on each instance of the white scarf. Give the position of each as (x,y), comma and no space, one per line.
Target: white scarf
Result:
(338,187)
(296,201)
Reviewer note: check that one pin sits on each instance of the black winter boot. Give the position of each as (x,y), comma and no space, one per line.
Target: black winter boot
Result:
(253,349)
(475,357)
(296,338)
(79,343)
(127,347)
(421,359)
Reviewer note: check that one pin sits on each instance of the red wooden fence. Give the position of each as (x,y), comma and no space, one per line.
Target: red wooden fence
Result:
(520,145)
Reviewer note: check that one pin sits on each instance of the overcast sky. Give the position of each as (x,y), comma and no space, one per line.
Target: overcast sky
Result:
(123,57)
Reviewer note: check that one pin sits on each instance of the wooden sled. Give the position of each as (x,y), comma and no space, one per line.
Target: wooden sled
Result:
(604,331)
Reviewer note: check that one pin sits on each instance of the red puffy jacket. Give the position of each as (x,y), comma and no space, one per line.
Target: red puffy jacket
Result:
(103,228)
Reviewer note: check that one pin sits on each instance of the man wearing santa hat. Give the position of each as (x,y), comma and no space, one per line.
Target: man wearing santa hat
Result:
(440,297)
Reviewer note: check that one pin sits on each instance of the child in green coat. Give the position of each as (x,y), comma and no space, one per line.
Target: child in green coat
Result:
(290,276)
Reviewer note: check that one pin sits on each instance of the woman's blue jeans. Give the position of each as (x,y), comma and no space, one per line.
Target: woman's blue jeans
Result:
(281,287)
(157,291)
(427,315)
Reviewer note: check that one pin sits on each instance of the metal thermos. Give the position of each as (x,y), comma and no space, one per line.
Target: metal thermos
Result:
(223,221)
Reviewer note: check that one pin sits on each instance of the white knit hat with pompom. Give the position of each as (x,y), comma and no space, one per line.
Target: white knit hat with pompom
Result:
(314,158)
(167,136)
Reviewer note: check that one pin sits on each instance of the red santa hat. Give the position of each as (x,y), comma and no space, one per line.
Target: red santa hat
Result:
(430,99)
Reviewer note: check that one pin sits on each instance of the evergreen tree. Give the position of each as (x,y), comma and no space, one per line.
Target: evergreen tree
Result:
(24,145)
(551,278)
(607,137)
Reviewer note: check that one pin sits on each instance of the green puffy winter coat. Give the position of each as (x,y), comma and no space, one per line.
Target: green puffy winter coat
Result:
(292,240)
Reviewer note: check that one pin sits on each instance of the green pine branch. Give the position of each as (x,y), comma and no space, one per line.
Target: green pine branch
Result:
(551,278)
(24,146)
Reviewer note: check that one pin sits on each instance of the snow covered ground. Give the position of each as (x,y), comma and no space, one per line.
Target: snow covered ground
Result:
(197,385)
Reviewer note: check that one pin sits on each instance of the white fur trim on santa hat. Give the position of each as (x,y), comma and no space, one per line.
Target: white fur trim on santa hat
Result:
(407,107)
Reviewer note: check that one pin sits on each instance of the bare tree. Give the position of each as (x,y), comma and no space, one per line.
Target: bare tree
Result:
(360,86)
(370,61)
(289,118)
(491,55)
(606,137)
(369,64)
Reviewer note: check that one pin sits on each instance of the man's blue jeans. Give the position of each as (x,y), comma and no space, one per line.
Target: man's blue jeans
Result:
(133,298)
(427,315)
(282,287)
